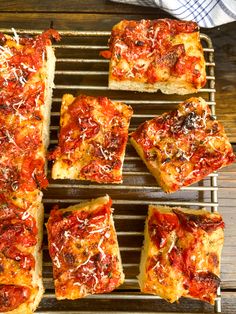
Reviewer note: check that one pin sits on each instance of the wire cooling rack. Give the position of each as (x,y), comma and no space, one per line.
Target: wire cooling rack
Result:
(79,69)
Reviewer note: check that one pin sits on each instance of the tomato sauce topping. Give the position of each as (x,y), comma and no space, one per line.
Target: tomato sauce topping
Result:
(20,63)
(186,143)
(78,223)
(26,260)
(94,265)
(83,126)
(101,278)
(97,128)
(21,98)
(12,296)
(30,176)
(17,229)
(141,137)
(202,285)
(159,227)
(156,264)
(132,42)
(101,171)
(176,258)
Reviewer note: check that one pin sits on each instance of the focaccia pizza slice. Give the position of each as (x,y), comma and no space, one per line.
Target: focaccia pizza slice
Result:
(149,55)
(92,140)
(26,80)
(84,249)
(21,285)
(183,146)
(181,254)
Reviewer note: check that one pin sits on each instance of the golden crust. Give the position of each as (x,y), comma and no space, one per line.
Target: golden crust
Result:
(89,262)
(160,54)
(176,251)
(183,146)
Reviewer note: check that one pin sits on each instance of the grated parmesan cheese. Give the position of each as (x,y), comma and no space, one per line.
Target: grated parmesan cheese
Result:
(56,261)
(15,37)
(100,249)
(25,215)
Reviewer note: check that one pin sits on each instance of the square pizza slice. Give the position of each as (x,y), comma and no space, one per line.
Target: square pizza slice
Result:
(183,146)
(181,254)
(149,55)
(84,249)
(92,140)
(21,284)
(26,80)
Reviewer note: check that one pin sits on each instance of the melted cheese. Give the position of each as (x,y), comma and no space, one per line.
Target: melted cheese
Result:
(156,43)
(92,249)
(170,277)
(89,143)
(185,145)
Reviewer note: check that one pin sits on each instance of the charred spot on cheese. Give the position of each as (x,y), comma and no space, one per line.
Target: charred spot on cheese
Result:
(69,258)
(213,118)
(2,39)
(139,43)
(65,214)
(152,155)
(203,285)
(191,222)
(12,296)
(213,259)
(186,123)
(171,56)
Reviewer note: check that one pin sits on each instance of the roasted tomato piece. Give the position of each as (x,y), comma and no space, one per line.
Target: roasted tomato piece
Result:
(12,296)
(98,172)
(204,286)
(26,260)
(160,225)
(192,222)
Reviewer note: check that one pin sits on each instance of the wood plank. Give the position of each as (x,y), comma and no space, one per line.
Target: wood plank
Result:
(86,6)
(225,54)
(227,203)
(130,305)
(228,302)
(187,306)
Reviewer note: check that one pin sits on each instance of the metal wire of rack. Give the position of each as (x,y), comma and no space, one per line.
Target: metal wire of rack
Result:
(79,69)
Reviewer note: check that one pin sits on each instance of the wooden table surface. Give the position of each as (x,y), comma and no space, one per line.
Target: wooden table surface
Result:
(102,15)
